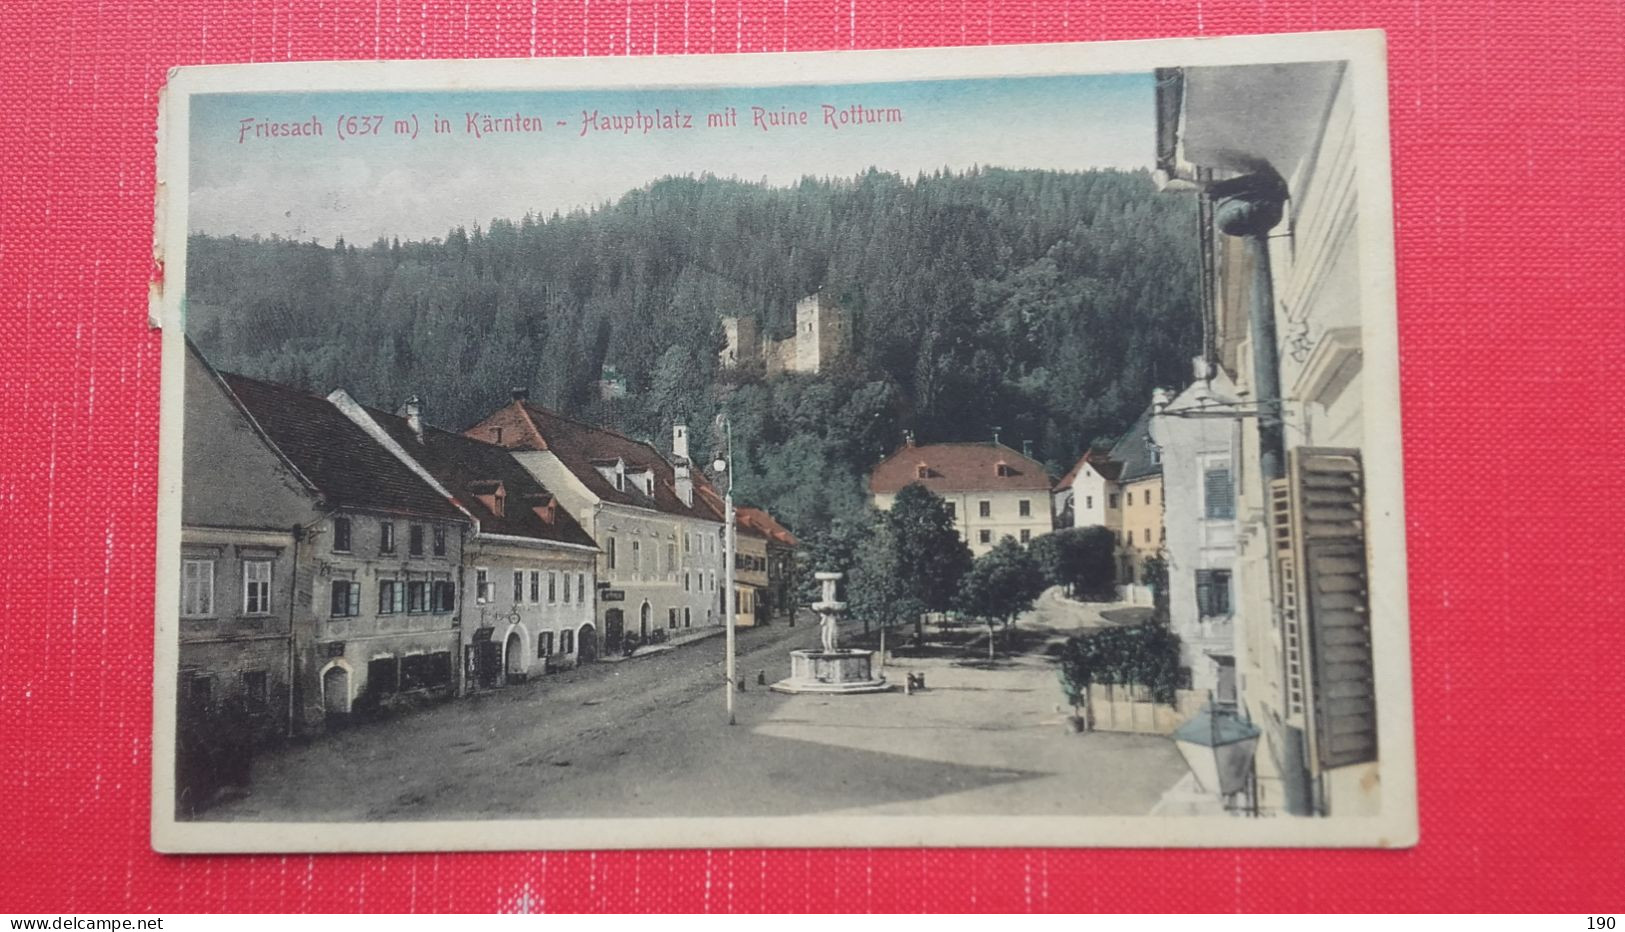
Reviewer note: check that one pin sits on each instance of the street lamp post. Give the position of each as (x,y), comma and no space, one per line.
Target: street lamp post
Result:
(725,477)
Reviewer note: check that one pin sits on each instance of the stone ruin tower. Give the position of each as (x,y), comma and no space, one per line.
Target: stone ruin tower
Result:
(823,334)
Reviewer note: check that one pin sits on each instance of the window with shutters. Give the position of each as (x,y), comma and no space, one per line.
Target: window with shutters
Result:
(341,535)
(386,537)
(1326,497)
(552,587)
(535,586)
(417,596)
(197,588)
(567,641)
(1025,508)
(414,540)
(984,509)
(256,587)
(544,645)
(391,597)
(345,601)
(581,587)
(518,587)
(1218,494)
(439,541)
(482,585)
(609,552)
(442,597)
(1213,593)
(256,689)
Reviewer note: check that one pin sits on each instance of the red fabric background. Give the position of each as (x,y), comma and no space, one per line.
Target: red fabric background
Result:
(1508,120)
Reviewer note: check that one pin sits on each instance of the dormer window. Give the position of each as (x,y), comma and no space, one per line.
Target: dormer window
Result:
(493,495)
(1002,470)
(922,471)
(643,480)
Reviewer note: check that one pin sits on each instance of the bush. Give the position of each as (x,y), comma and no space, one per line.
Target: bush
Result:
(1144,655)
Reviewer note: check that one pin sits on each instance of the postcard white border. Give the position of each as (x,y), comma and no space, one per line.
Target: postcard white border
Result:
(1365,52)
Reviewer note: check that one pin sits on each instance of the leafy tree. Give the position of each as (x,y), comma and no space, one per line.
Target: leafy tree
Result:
(927,553)
(833,549)
(1142,655)
(876,589)
(1155,574)
(1001,584)
(1079,560)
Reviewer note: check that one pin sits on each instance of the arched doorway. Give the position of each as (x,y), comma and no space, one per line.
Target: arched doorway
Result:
(336,690)
(586,644)
(614,626)
(513,658)
(645,621)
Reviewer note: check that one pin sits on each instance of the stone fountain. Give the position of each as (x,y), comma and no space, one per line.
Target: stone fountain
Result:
(832,669)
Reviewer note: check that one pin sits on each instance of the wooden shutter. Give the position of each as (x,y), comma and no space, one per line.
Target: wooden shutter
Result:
(1287,619)
(1329,553)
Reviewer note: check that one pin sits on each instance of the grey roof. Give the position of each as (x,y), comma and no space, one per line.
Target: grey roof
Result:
(1134,451)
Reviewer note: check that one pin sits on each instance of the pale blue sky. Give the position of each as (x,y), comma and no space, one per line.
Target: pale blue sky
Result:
(363,188)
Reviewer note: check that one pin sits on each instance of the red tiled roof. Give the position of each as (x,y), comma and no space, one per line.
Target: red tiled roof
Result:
(470,468)
(346,466)
(765,523)
(704,489)
(1103,464)
(579,445)
(958,467)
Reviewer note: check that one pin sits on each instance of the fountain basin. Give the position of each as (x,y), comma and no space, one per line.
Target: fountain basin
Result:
(832,671)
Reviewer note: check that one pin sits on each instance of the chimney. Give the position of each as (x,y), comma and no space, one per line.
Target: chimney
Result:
(520,393)
(679,442)
(413,411)
(996,435)
(1201,369)
(1027,448)
(908,438)
(1160,398)
(684,482)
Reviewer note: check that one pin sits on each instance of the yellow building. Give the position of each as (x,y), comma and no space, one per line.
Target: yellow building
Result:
(992,491)
(1121,491)
(1139,527)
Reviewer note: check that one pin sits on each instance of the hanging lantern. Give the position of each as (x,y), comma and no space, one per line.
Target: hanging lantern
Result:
(1218,747)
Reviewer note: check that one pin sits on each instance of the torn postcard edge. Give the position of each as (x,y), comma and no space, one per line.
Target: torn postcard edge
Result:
(985,446)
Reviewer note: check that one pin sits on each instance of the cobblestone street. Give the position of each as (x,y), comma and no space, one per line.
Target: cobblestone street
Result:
(649,737)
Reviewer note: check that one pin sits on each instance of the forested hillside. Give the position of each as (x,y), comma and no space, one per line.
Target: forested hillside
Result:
(1045,304)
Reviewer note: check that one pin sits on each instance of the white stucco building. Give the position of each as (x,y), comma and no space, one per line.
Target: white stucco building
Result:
(1198,443)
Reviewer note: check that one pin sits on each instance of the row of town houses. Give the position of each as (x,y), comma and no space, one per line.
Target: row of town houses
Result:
(1249,483)
(335,555)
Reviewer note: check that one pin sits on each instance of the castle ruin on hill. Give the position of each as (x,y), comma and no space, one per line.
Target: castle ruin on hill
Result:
(823,335)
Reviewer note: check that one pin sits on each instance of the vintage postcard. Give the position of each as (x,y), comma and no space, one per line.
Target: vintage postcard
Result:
(990,447)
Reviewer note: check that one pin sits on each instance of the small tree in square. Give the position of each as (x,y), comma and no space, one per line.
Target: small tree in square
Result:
(876,589)
(1079,560)
(1001,584)
(929,556)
